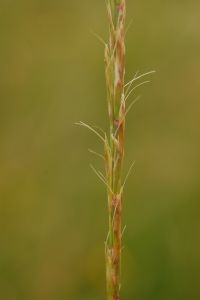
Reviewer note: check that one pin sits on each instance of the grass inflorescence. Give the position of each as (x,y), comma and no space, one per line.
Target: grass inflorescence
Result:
(117,94)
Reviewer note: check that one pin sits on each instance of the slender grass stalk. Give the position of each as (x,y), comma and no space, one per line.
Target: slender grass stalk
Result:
(114,146)
(117,94)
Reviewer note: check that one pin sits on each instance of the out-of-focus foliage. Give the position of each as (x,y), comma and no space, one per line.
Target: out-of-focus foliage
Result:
(52,208)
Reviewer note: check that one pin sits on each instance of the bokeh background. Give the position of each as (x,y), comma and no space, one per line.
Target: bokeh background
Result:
(53,219)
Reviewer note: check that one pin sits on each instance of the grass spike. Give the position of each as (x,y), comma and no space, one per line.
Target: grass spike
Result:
(114,141)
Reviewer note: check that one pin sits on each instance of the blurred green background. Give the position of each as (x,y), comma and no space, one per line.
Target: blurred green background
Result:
(52,207)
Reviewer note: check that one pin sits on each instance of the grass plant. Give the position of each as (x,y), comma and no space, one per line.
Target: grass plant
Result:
(117,95)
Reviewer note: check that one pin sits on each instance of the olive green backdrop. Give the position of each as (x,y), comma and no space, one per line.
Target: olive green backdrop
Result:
(53,219)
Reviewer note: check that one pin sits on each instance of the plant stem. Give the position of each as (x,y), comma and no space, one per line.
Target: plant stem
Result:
(114,145)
